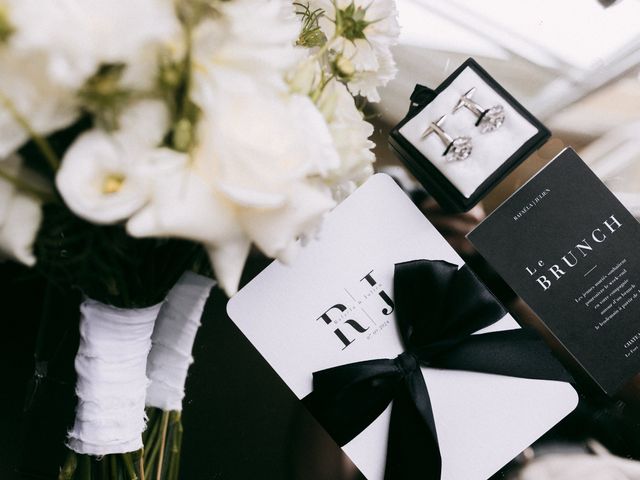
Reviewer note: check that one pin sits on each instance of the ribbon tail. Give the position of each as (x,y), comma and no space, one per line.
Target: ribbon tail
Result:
(413,451)
(347,399)
(515,353)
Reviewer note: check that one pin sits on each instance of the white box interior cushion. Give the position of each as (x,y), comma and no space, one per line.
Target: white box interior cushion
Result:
(490,150)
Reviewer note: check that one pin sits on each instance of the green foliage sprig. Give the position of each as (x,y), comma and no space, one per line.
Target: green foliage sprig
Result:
(6,28)
(311,35)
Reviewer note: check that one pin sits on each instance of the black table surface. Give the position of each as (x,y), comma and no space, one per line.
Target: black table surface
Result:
(240,419)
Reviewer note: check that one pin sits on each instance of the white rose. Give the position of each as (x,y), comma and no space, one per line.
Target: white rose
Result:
(80,35)
(254,179)
(265,155)
(248,42)
(276,231)
(20,217)
(256,174)
(104,177)
(254,148)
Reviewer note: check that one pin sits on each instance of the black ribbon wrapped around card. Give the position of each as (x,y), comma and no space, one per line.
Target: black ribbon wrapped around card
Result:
(438,308)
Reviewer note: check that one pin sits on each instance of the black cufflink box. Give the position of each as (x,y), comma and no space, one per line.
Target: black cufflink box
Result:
(459,185)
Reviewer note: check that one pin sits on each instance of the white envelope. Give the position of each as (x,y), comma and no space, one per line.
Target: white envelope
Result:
(483,421)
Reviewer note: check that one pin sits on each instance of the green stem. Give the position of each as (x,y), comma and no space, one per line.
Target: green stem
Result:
(104,468)
(26,187)
(176,446)
(184,112)
(188,31)
(69,467)
(325,48)
(326,81)
(42,144)
(128,465)
(113,463)
(316,94)
(84,467)
(152,445)
(138,458)
(163,440)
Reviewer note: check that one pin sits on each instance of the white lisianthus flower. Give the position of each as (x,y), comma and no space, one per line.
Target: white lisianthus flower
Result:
(183,205)
(362,32)
(255,178)
(248,44)
(78,36)
(350,134)
(20,216)
(104,177)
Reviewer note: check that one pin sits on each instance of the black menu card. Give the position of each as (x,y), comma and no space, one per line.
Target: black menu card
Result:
(571,250)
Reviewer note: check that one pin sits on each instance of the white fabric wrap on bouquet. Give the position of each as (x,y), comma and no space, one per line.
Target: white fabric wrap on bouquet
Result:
(173,338)
(112,382)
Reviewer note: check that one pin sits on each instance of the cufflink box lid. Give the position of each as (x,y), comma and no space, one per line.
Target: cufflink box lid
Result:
(459,185)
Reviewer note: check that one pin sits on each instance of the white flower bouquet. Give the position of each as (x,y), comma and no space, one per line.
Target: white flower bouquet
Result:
(139,140)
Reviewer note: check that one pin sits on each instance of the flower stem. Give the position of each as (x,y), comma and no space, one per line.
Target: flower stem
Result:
(151,442)
(176,446)
(140,463)
(26,187)
(163,442)
(84,468)
(128,465)
(165,424)
(41,142)
(114,467)
(324,48)
(69,467)
(104,468)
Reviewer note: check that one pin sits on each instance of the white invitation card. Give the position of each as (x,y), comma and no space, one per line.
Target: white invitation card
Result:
(333,306)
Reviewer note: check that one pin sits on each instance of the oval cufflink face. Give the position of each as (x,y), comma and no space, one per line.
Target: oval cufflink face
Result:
(459,149)
(492,119)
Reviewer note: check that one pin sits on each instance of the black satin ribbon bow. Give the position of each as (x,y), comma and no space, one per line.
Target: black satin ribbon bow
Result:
(438,307)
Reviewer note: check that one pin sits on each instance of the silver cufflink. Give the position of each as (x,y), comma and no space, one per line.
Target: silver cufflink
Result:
(456,149)
(489,119)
